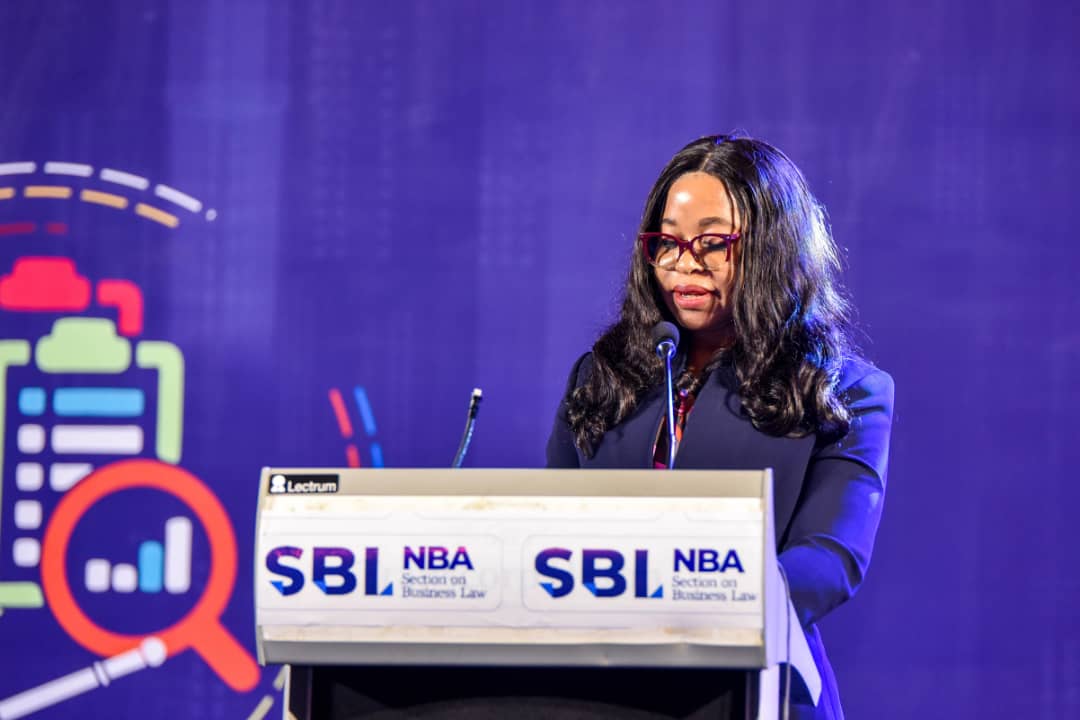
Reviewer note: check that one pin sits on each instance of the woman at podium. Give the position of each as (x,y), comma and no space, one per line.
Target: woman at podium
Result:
(735,251)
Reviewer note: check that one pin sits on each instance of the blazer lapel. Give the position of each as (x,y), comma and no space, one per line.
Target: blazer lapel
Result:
(718,436)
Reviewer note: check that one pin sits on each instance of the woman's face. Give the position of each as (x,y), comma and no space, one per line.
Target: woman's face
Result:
(700,297)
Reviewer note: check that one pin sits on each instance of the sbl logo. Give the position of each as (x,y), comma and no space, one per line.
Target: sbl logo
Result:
(332,567)
(606,565)
(601,573)
(331,570)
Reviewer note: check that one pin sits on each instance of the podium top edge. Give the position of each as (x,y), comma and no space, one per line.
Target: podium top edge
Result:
(535,482)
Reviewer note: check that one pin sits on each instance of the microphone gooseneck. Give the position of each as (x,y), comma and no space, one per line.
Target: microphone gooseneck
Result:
(665,337)
(470,424)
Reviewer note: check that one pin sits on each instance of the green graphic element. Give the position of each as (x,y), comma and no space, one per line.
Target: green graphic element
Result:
(169,362)
(22,595)
(78,344)
(12,353)
(88,345)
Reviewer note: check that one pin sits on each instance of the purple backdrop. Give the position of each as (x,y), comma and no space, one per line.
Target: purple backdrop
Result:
(369,210)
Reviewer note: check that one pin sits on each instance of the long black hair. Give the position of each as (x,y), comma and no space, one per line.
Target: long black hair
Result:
(790,316)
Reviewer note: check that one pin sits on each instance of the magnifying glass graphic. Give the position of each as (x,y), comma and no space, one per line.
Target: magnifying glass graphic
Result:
(200,629)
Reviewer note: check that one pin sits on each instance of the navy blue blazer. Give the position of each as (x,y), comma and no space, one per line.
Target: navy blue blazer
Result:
(827,494)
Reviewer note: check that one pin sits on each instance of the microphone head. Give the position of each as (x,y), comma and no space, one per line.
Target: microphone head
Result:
(474,401)
(665,331)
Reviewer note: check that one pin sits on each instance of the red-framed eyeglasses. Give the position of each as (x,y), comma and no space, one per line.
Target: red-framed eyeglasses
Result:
(710,250)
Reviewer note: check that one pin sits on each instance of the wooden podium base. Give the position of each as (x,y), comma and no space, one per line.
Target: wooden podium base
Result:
(362,692)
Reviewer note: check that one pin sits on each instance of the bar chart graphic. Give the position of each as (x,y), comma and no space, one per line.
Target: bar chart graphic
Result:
(160,565)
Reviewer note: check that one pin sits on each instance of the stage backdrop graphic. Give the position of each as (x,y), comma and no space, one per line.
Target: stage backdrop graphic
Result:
(237,234)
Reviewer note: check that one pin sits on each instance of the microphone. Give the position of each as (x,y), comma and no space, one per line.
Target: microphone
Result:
(470,424)
(665,338)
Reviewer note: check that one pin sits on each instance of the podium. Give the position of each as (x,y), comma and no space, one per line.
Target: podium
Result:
(524,593)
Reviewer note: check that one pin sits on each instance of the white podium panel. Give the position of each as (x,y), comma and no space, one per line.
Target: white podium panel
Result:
(528,567)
